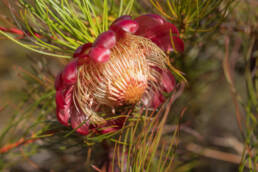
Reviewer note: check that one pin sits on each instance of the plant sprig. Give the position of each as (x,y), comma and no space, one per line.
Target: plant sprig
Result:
(63,25)
(194,16)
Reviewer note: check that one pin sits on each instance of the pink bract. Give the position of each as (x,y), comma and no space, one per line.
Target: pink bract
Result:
(125,17)
(69,75)
(168,81)
(127,25)
(157,100)
(106,40)
(99,55)
(147,22)
(81,51)
(77,120)
(161,35)
(63,104)
(58,82)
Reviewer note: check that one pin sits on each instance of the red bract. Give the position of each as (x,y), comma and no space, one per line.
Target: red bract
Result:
(127,25)
(106,40)
(156,17)
(82,50)
(125,17)
(63,115)
(167,44)
(157,100)
(69,75)
(168,81)
(161,35)
(58,82)
(125,67)
(99,54)
(147,22)
(63,103)
(80,121)
(60,100)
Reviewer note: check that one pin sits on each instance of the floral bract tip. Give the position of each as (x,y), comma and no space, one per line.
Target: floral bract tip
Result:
(125,67)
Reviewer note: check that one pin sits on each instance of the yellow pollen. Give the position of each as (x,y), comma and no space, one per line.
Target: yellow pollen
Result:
(133,93)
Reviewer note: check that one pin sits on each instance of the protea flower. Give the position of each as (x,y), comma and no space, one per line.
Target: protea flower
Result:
(125,67)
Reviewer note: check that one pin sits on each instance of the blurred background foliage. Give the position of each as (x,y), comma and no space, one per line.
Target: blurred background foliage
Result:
(209,124)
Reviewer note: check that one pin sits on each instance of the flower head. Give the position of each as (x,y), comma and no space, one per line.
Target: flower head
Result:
(125,66)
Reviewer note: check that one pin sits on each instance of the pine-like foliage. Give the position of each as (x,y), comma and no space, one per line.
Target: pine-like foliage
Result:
(152,139)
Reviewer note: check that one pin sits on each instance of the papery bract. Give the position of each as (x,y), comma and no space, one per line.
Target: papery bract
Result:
(157,100)
(147,22)
(124,17)
(127,25)
(63,115)
(69,75)
(168,81)
(81,51)
(58,82)
(106,40)
(99,55)
(80,123)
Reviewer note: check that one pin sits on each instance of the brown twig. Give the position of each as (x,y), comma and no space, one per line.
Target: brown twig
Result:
(229,142)
(228,75)
(20,142)
(96,168)
(215,154)
(3,106)
(32,163)
(23,141)
(171,128)
(87,162)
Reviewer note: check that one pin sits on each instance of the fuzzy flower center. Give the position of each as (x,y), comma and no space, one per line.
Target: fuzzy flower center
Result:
(130,93)
(124,79)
